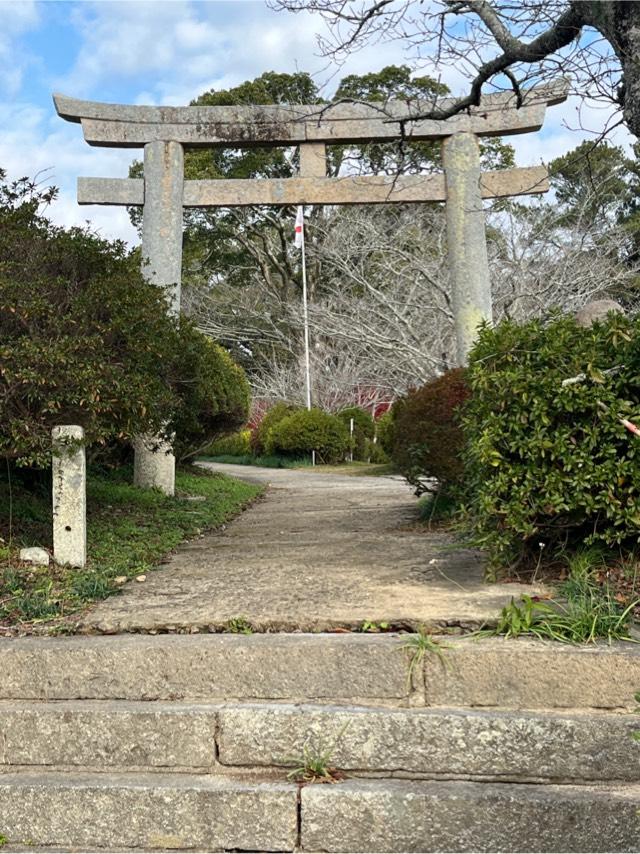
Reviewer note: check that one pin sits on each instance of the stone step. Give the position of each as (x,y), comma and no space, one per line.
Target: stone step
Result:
(446,743)
(164,811)
(349,668)
(367,815)
(212,738)
(118,734)
(157,811)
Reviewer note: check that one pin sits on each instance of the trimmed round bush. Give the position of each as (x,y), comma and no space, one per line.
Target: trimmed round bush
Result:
(271,417)
(427,436)
(363,429)
(550,465)
(305,431)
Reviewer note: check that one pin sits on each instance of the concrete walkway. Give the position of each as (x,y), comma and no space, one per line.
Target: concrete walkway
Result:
(320,551)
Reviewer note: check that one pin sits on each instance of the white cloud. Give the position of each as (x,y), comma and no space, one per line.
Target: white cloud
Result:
(35,143)
(16,18)
(125,41)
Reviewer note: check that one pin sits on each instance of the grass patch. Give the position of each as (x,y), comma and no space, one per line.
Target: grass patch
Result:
(129,531)
(585,611)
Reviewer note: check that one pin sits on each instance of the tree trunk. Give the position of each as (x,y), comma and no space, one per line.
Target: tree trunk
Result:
(619,22)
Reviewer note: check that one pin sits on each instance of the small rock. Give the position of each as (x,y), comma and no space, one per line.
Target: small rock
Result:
(141,578)
(35,555)
(120,579)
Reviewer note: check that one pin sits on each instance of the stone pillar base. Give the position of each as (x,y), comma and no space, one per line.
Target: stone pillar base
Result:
(154,464)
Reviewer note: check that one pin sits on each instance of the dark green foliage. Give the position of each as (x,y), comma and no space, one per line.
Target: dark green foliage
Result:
(363,429)
(398,82)
(271,461)
(213,393)
(550,466)
(83,338)
(427,437)
(310,430)
(273,415)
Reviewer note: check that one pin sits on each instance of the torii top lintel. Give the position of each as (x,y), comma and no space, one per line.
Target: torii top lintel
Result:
(127,126)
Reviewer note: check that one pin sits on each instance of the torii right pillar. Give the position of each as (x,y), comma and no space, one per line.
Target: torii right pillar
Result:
(466,240)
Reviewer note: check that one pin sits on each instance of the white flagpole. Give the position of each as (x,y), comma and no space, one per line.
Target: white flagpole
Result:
(305,312)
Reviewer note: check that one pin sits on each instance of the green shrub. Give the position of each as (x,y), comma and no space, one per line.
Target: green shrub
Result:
(310,430)
(85,339)
(427,437)
(384,432)
(237,444)
(212,390)
(374,452)
(550,466)
(363,429)
(272,416)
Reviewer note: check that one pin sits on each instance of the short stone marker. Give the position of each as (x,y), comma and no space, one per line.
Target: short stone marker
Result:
(69,496)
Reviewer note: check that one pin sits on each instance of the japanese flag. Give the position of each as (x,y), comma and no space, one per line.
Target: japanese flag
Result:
(299,238)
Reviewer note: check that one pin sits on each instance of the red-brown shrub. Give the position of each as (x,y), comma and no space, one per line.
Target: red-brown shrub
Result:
(427,437)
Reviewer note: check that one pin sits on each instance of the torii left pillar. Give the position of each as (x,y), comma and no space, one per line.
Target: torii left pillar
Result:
(155,464)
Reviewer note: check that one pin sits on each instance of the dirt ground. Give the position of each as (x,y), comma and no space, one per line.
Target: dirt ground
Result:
(318,552)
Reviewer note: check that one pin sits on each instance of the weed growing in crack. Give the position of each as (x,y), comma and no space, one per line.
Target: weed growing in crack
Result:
(373,627)
(418,645)
(314,764)
(239,626)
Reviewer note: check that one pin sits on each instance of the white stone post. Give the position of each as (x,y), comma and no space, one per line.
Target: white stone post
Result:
(69,496)
(466,240)
(161,264)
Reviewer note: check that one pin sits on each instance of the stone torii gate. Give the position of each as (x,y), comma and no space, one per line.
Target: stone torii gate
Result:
(164,133)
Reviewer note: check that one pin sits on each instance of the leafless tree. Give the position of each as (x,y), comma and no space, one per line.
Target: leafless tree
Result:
(499,43)
(381,317)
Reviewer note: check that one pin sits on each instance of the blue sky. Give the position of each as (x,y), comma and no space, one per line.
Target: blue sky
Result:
(163,52)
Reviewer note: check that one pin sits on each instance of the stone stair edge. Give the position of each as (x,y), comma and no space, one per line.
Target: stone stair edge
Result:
(216,705)
(392,639)
(354,815)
